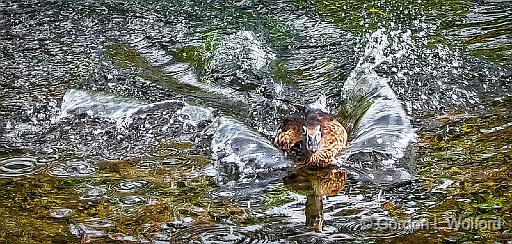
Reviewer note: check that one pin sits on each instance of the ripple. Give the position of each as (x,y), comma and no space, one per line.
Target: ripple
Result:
(485,30)
(84,232)
(182,223)
(206,233)
(61,213)
(386,227)
(100,223)
(120,237)
(73,169)
(16,167)
(132,201)
(273,195)
(147,165)
(130,186)
(47,155)
(89,192)
(170,163)
(89,229)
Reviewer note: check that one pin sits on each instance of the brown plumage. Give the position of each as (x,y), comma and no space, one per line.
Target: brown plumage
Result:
(318,137)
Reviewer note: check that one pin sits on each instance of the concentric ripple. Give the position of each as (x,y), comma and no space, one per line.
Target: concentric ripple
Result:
(274,195)
(88,192)
(132,201)
(147,165)
(73,169)
(130,186)
(16,167)
(205,233)
(377,227)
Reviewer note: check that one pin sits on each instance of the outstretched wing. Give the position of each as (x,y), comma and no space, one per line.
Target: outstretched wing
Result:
(290,134)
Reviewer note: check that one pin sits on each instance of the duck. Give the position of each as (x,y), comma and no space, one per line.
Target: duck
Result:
(314,135)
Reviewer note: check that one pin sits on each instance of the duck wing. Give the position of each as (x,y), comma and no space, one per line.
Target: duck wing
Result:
(289,134)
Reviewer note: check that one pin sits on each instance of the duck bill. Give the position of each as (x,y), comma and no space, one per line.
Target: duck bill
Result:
(313,141)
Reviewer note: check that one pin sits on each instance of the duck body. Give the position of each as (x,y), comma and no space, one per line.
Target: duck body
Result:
(314,135)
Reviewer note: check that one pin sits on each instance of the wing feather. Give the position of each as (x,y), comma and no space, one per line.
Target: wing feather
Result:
(289,135)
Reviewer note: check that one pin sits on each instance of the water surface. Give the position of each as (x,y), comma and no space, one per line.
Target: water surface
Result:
(152,121)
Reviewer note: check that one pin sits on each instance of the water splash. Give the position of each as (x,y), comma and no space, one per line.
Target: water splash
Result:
(241,58)
(320,103)
(384,132)
(108,126)
(244,156)
(77,102)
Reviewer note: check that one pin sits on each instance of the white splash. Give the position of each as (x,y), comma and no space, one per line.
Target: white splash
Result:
(94,105)
(236,148)
(385,127)
(320,103)
(122,110)
(243,47)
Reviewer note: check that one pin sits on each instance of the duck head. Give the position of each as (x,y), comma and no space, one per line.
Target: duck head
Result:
(312,128)
(313,136)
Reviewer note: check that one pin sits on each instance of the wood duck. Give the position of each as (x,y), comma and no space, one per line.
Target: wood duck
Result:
(316,136)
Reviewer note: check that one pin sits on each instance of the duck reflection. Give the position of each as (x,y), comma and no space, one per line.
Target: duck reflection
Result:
(316,183)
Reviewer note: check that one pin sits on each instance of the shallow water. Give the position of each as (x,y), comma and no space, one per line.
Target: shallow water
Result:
(152,121)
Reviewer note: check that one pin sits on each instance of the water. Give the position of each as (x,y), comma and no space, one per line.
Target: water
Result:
(152,121)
